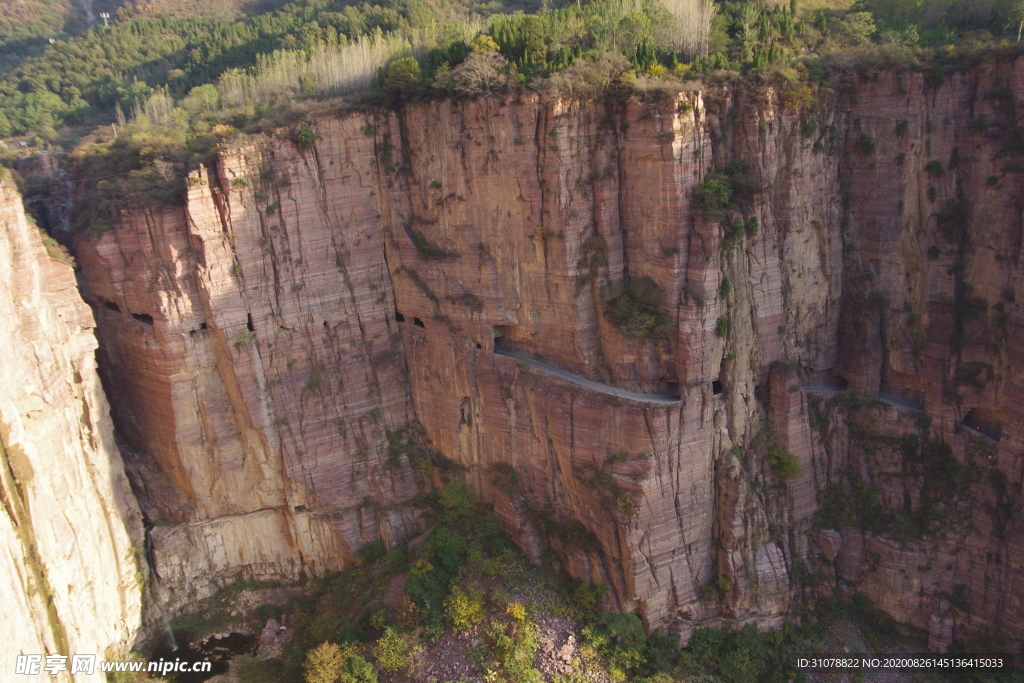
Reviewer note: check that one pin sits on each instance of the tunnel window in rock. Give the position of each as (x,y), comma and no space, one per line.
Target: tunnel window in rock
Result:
(985,423)
(143,318)
(501,338)
(837,382)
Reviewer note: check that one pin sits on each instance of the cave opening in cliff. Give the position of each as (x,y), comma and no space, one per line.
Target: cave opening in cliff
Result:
(399,317)
(110,305)
(985,423)
(501,338)
(248,323)
(418,323)
(143,318)
(716,387)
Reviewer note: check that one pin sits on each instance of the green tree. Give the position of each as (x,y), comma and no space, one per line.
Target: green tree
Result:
(483,43)
(201,98)
(393,651)
(357,670)
(463,610)
(402,78)
(638,310)
(323,664)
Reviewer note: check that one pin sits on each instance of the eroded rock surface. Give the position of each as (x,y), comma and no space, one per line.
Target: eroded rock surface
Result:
(70,529)
(279,350)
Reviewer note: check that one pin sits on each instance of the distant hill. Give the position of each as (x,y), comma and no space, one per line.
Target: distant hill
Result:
(26,26)
(221,9)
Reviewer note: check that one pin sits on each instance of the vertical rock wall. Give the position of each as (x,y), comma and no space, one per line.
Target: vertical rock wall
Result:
(272,347)
(251,353)
(533,216)
(278,349)
(932,185)
(70,529)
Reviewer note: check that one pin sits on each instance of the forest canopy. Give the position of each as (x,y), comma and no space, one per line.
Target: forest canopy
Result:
(325,48)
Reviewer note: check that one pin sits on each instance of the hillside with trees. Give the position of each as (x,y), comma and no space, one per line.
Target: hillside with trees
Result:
(155,58)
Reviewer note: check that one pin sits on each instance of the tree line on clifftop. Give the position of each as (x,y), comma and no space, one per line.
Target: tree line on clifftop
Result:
(408,49)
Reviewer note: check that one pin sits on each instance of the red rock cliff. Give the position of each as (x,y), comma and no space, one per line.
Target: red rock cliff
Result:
(276,348)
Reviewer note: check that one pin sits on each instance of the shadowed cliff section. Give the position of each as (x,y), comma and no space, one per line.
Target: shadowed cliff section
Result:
(325,320)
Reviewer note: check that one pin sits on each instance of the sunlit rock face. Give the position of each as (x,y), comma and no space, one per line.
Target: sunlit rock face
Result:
(281,350)
(70,529)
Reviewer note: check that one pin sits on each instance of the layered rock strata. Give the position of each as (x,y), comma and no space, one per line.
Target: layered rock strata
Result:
(251,354)
(70,528)
(275,347)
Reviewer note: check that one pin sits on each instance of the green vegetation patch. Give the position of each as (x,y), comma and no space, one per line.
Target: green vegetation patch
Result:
(638,310)
(784,463)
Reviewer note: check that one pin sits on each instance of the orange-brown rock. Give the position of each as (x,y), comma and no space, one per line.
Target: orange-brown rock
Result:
(250,350)
(266,345)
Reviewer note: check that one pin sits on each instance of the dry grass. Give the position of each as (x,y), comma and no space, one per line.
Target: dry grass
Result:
(285,74)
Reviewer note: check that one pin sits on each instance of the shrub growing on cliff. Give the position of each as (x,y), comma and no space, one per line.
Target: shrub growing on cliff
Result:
(713,194)
(752,226)
(934,169)
(637,310)
(55,250)
(864,145)
(427,249)
(784,463)
(305,138)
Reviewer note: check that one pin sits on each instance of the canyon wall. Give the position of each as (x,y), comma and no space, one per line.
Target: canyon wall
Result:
(934,225)
(252,358)
(70,528)
(289,352)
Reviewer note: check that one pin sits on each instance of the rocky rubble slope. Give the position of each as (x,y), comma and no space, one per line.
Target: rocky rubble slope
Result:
(280,349)
(70,528)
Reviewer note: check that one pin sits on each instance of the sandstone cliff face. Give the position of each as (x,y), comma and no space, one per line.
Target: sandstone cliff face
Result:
(274,348)
(70,527)
(251,354)
(521,271)
(934,240)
